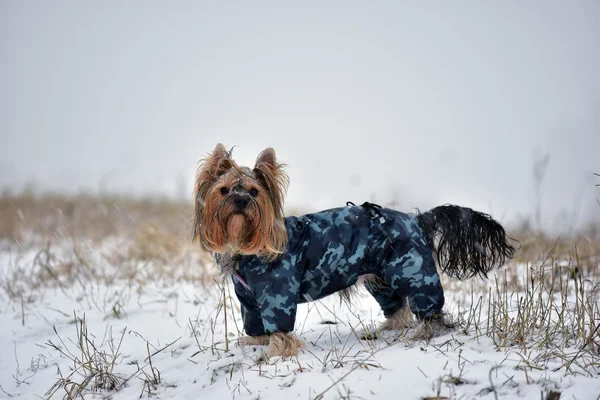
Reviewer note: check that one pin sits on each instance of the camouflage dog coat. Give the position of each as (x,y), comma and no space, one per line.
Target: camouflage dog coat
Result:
(327,252)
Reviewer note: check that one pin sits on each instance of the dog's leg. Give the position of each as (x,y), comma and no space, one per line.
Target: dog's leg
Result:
(261,340)
(412,271)
(284,345)
(394,306)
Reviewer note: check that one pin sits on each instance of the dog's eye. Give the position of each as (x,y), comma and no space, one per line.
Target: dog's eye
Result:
(253,192)
(224,190)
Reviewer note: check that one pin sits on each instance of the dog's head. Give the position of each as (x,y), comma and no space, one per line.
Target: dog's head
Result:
(239,210)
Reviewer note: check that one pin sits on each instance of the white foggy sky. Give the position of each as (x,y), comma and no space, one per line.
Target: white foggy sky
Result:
(423,103)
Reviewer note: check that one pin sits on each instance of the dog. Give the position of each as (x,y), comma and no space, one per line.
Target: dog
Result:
(278,262)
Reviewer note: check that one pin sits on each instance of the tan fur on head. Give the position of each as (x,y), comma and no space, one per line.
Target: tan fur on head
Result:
(221,227)
(284,345)
(235,228)
(401,319)
(261,340)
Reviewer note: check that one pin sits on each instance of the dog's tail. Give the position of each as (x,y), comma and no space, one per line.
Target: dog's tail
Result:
(466,242)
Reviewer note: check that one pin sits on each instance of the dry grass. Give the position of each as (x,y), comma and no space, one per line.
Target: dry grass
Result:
(92,368)
(538,246)
(551,314)
(29,218)
(60,241)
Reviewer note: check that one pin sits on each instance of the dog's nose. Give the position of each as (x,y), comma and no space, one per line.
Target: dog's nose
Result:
(241,201)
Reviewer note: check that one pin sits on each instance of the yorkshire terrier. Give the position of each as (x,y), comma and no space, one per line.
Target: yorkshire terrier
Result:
(277,262)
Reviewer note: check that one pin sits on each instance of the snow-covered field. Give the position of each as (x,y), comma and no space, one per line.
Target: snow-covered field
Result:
(97,324)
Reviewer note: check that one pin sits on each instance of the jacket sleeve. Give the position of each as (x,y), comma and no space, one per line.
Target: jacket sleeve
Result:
(278,304)
(251,316)
(277,297)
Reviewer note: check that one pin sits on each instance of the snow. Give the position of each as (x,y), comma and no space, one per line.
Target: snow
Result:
(160,318)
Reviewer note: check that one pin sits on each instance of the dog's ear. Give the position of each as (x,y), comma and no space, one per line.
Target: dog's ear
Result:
(218,163)
(267,159)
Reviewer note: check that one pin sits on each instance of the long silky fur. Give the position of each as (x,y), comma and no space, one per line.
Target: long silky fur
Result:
(466,242)
(269,236)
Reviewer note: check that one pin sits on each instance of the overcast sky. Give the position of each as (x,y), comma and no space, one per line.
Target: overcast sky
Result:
(418,103)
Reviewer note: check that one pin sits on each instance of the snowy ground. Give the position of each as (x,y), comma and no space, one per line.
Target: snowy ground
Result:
(172,339)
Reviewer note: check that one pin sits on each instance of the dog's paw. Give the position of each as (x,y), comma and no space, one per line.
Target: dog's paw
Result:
(432,327)
(262,340)
(284,345)
(399,320)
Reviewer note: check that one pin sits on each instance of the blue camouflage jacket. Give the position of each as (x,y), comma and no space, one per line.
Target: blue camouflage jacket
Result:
(327,252)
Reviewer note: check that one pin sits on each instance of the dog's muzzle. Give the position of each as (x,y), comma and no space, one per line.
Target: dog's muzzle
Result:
(241,201)
(240,196)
